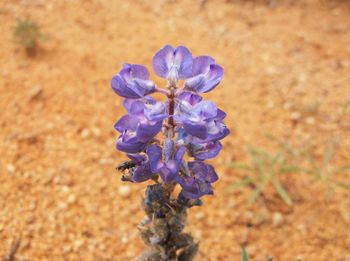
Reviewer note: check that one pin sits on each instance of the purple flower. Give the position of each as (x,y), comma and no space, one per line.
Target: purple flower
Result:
(203,151)
(142,171)
(143,122)
(189,124)
(196,179)
(206,75)
(132,82)
(201,119)
(173,64)
(165,161)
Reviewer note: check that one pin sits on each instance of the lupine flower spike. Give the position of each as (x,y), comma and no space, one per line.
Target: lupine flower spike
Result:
(168,142)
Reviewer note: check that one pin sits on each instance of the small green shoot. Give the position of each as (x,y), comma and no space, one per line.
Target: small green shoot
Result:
(244,255)
(323,170)
(28,34)
(265,170)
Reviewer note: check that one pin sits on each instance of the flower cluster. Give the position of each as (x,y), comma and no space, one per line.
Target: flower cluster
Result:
(192,127)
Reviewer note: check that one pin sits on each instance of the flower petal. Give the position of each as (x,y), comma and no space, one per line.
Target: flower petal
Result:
(137,71)
(167,172)
(120,87)
(126,123)
(205,109)
(155,112)
(162,60)
(190,97)
(137,158)
(142,173)
(208,151)
(173,64)
(132,82)
(196,129)
(146,131)
(201,64)
(133,106)
(206,75)
(154,153)
(129,144)
(183,60)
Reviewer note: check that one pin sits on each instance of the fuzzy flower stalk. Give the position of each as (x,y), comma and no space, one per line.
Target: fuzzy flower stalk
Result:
(168,141)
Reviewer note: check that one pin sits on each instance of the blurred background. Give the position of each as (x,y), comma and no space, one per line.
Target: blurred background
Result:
(284,173)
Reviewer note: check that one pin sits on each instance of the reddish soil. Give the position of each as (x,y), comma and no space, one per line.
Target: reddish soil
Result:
(59,191)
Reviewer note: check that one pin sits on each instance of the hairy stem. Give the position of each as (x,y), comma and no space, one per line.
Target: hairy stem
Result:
(162,228)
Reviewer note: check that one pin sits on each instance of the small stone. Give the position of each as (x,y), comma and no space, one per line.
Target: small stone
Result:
(67,249)
(277,219)
(71,198)
(96,131)
(270,104)
(287,105)
(271,70)
(105,161)
(31,206)
(295,115)
(35,93)
(310,120)
(124,191)
(65,189)
(102,247)
(85,133)
(302,77)
(197,234)
(62,205)
(78,243)
(200,215)
(125,240)
(10,168)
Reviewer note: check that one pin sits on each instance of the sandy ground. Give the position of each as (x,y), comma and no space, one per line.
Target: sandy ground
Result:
(59,191)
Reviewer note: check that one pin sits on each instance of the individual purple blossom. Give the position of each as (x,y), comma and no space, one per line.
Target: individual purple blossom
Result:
(166,161)
(196,179)
(142,171)
(192,127)
(203,151)
(206,75)
(140,125)
(132,82)
(173,64)
(201,119)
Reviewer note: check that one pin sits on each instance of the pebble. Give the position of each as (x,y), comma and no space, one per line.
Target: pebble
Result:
(35,93)
(200,215)
(197,234)
(78,243)
(85,133)
(277,219)
(65,189)
(295,115)
(124,191)
(96,131)
(270,104)
(271,70)
(105,161)
(10,168)
(71,198)
(124,240)
(62,205)
(32,206)
(310,120)
(287,105)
